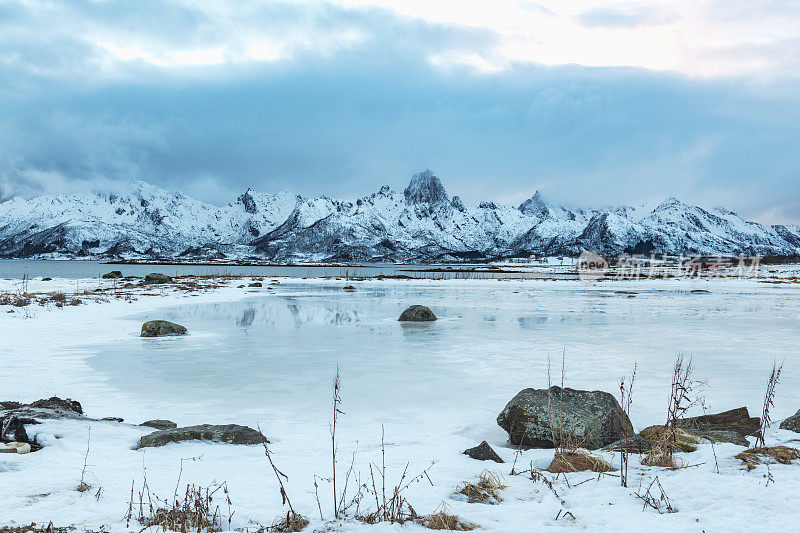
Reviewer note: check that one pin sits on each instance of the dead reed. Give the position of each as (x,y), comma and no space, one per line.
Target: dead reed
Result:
(625,400)
(683,395)
(769,397)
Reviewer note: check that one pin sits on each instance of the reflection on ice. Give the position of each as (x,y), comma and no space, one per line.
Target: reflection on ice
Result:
(274,355)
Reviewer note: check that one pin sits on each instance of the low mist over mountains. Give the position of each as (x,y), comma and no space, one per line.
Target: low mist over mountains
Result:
(421,224)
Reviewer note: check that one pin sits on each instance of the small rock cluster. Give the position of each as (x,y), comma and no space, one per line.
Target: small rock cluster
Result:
(14,416)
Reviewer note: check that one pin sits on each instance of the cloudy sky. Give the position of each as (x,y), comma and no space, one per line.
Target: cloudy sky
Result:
(592,102)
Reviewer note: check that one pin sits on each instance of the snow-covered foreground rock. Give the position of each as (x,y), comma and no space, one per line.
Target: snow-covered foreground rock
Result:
(267,356)
(421,224)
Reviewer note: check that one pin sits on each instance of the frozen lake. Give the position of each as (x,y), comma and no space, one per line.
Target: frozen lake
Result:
(268,356)
(272,357)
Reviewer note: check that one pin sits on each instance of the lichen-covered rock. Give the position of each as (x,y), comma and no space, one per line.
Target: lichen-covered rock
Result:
(229,433)
(155,277)
(588,419)
(159,424)
(114,274)
(417,313)
(161,328)
(792,423)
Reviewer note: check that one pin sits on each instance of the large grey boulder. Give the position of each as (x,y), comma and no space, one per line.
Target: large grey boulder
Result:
(114,274)
(792,423)
(417,313)
(229,433)
(161,328)
(156,277)
(586,419)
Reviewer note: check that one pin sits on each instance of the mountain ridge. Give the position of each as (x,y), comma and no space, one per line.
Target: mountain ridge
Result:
(421,224)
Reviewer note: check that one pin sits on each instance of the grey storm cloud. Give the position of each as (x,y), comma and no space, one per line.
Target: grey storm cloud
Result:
(347,118)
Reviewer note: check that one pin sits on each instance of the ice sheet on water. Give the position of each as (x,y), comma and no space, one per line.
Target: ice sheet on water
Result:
(488,344)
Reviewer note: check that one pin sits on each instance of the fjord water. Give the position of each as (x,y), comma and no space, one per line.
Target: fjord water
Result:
(271,358)
(17,269)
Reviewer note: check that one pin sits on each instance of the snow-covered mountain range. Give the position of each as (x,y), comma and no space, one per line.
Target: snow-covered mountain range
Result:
(421,224)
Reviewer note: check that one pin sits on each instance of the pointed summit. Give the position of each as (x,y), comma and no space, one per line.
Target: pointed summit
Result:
(248,202)
(425,188)
(535,205)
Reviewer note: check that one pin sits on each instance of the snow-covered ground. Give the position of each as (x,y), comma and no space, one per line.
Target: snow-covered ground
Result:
(267,356)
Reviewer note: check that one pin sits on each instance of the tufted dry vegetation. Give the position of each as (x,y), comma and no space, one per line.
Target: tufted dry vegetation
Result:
(485,490)
(752,457)
(565,462)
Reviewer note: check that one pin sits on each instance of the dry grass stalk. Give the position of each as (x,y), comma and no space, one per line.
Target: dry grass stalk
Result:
(83,486)
(536,476)
(292,521)
(390,506)
(625,400)
(441,519)
(337,401)
(763,455)
(195,512)
(577,461)
(769,397)
(681,398)
(660,502)
(486,490)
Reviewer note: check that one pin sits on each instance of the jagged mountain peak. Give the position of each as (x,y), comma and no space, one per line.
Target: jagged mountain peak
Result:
(248,202)
(672,203)
(425,188)
(535,205)
(423,224)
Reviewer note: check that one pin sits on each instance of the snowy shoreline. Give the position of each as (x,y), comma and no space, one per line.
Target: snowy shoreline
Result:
(40,487)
